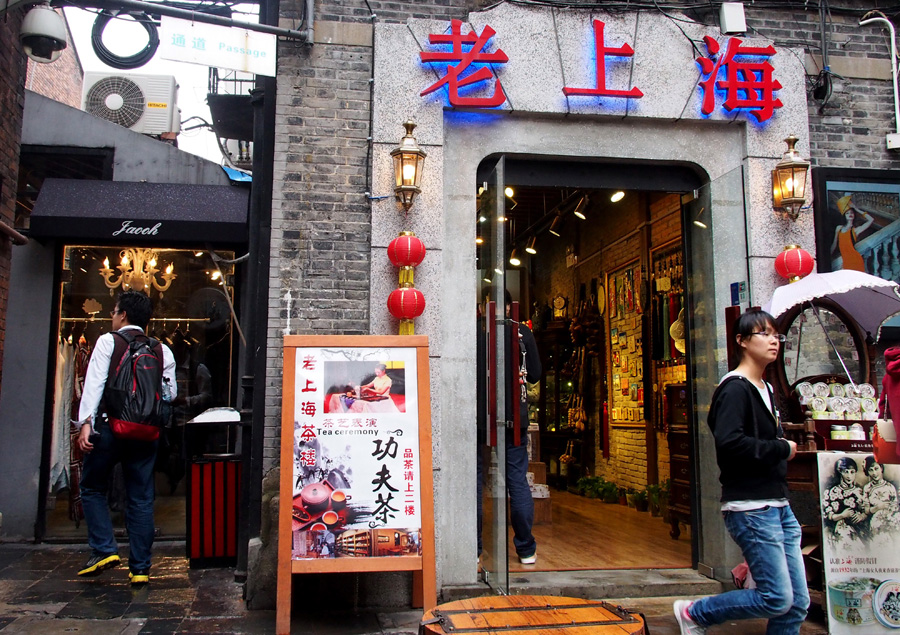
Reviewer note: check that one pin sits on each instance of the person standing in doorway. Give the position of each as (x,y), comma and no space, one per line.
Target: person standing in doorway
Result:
(102,451)
(521,503)
(752,454)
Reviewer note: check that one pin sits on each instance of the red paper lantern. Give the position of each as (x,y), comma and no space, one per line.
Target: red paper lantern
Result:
(794,263)
(406,304)
(406,250)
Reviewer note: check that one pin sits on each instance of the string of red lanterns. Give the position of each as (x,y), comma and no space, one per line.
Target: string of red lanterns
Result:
(407,251)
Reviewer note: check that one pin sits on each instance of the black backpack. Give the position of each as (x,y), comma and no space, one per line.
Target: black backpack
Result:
(133,393)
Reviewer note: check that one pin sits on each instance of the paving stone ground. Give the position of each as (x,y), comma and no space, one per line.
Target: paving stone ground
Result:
(41,593)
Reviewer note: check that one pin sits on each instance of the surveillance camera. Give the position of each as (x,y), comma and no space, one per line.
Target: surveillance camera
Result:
(43,34)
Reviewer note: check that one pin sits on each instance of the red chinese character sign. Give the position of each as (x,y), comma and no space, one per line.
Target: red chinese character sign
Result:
(602,51)
(747,79)
(465,65)
(357,435)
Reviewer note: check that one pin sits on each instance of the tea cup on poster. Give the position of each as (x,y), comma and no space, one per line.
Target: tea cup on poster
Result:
(339,499)
(330,518)
(318,527)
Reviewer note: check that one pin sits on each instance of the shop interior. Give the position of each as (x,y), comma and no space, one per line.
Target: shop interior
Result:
(193,296)
(599,273)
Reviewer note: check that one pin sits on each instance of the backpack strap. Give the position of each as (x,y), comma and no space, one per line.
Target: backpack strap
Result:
(124,339)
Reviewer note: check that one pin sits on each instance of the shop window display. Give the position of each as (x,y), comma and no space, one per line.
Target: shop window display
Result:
(192,296)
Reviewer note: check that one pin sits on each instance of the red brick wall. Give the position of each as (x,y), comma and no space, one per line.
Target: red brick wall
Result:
(61,80)
(12,92)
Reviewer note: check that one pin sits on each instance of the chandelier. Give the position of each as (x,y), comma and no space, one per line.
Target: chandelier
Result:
(138,271)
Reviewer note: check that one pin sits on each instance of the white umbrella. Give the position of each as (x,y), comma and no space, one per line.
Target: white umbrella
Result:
(868,299)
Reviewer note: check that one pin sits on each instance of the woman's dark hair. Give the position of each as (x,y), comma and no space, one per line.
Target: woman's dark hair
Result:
(137,307)
(843,463)
(870,461)
(753,321)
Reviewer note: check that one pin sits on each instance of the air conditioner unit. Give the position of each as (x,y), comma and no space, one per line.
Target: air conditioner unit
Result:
(143,103)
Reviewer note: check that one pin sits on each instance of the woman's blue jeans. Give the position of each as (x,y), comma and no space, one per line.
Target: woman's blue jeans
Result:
(769,538)
(138,459)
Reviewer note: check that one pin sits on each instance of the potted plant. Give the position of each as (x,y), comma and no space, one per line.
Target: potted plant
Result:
(583,485)
(653,499)
(623,498)
(664,500)
(640,500)
(629,496)
(610,492)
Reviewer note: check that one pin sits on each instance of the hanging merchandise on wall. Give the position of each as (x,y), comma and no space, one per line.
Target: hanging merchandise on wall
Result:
(626,346)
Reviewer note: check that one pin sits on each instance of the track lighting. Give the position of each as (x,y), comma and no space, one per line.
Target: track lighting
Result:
(618,196)
(579,209)
(555,226)
(514,258)
(699,223)
(530,246)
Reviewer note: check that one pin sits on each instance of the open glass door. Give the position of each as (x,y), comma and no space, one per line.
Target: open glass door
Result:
(493,384)
(711,214)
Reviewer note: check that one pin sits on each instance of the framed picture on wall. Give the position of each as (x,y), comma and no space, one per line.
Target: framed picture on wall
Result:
(614,338)
(611,291)
(857,219)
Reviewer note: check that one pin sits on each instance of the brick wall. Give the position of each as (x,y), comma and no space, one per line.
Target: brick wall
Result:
(61,80)
(12,61)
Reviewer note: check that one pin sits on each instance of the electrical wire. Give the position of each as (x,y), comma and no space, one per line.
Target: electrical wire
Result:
(129,61)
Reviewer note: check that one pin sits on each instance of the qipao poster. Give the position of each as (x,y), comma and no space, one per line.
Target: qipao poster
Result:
(356,488)
(860,536)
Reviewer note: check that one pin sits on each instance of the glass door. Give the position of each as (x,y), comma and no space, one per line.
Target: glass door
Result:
(493,380)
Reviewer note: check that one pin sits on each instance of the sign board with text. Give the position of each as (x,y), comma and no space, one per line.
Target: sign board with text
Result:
(217,46)
(356,485)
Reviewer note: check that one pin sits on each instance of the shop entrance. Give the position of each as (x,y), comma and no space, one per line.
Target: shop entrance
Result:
(192,294)
(605,263)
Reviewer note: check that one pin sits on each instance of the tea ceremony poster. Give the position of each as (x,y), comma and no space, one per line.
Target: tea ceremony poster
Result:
(860,538)
(356,482)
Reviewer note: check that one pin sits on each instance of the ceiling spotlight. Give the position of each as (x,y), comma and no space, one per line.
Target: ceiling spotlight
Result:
(555,226)
(618,196)
(530,246)
(509,192)
(482,219)
(699,223)
(479,240)
(579,209)
(514,258)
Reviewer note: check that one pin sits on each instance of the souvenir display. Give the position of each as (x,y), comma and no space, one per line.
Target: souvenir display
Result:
(866,390)
(836,390)
(820,389)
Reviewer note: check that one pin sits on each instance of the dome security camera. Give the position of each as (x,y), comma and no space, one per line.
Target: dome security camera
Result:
(43,34)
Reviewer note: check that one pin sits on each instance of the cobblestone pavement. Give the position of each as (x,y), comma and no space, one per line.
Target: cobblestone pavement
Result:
(41,593)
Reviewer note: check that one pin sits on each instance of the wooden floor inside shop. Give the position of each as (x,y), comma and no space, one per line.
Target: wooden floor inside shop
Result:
(586,533)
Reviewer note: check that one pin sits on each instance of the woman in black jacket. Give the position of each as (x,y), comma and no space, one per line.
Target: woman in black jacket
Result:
(752,454)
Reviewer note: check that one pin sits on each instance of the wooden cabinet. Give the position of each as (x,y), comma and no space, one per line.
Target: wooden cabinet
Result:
(679,457)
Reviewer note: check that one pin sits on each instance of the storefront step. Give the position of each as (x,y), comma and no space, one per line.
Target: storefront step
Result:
(598,585)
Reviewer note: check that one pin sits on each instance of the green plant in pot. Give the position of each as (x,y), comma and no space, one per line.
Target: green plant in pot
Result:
(623,495)
(641,501)
(610,492)
(629,496)
(664,500)
(653,492)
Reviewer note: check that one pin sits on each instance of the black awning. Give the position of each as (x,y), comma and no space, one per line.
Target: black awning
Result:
(121,211)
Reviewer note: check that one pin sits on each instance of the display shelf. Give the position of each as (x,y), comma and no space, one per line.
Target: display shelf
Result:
(825,442)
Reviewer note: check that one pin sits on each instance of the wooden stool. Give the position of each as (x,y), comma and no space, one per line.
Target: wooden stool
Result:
(530,615)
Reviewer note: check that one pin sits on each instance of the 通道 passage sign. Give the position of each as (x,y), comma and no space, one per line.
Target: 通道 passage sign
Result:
(356,482)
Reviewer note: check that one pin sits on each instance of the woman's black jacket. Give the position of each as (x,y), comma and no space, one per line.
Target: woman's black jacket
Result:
(750,449)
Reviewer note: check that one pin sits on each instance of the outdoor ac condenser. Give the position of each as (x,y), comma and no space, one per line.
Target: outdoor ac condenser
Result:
(143,103)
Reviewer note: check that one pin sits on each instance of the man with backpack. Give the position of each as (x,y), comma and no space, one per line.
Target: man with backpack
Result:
(128,376)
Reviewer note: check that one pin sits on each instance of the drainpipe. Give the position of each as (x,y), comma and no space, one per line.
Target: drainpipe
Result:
(255,306)
(893,140)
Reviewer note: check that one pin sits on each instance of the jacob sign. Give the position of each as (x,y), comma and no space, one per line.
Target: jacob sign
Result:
(217,46)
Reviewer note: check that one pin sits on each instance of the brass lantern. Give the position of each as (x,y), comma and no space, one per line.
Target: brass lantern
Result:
(789,181)
(409,160)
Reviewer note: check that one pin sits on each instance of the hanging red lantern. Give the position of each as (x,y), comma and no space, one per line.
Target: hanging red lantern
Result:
(794,263)
(406,251)
(406,304)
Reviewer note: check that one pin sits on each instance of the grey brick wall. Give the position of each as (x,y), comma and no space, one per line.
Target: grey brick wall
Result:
(12,102)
